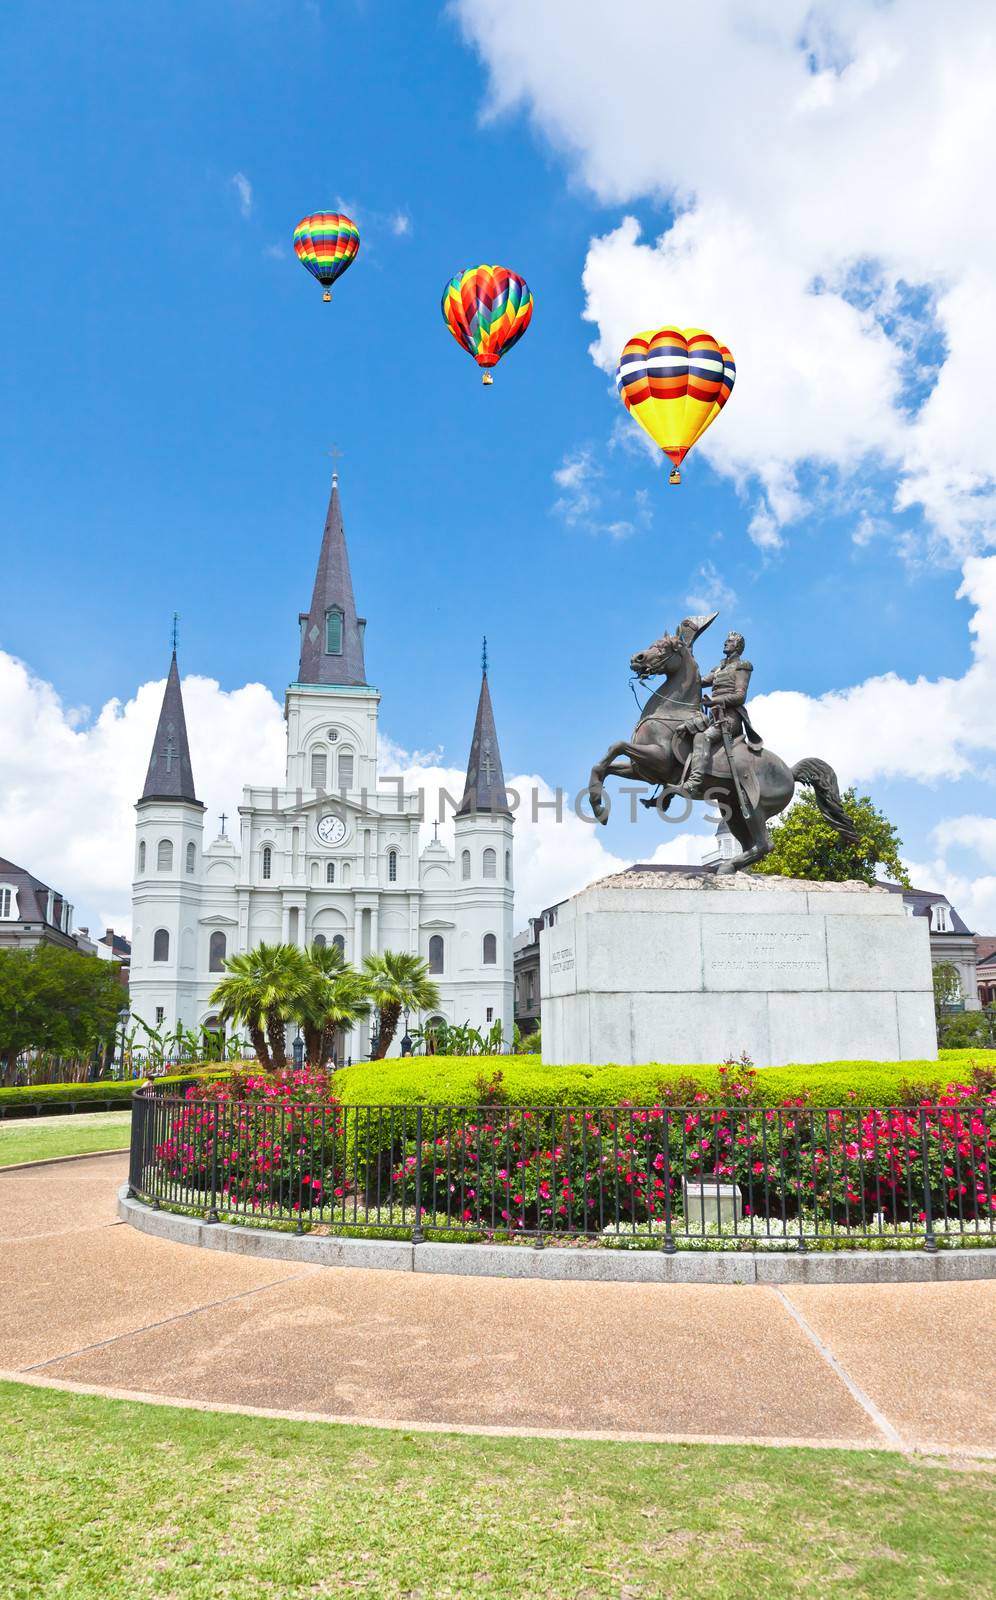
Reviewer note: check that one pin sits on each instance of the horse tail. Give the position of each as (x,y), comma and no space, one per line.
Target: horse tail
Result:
(822,779)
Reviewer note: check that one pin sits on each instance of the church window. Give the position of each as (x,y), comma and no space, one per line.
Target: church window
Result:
(320,941)
(333,632)
(160,945)
(436,953)
(490,864)
(218,949)
(465,864)
(490,953)
(160,1015)
(508,866)
(330,872)
(164,855)
(141,856)
(267,861)
(319,768)
(490,1015)
(345,769)
(392,866)
(191,854)
(340,944)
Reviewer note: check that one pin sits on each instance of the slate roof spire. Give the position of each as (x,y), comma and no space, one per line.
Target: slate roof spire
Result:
(331,632)
(170,776)
(485,786)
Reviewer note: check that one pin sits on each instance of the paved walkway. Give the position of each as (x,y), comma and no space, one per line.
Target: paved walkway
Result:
(85,1301)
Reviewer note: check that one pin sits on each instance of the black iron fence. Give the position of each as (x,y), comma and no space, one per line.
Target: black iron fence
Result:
(731,1176)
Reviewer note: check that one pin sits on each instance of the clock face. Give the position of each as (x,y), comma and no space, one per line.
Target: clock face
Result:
(330,829)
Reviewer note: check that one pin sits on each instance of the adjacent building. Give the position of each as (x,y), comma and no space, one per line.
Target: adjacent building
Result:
(32,913)
(526,965)
(329,857)
(985,968)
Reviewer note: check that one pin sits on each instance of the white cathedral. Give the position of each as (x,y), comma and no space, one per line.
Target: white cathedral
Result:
(330,857)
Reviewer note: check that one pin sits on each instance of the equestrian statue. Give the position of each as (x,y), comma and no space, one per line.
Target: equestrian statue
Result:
(702,746)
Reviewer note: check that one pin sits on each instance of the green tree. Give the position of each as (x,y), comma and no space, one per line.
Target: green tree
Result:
(55,999)
(806,845)
(335,996)
(397,981)
(261,990)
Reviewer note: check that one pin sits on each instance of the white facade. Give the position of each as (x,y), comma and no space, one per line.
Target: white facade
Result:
(362,880)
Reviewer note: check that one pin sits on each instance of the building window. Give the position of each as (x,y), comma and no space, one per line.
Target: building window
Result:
(164,855)
(465,864)
(319,769)
(392,866)
(490,950)
(141,856)
(490,1014)
(320,940)
(330,872)
(490,864)
(508,866)
(333,632)
(160,1015)
(436,953)
(218,949)
(160,945)
(516,988)
(8,903)
(339,944)
(940,917)
(530,986)
(191,854)
(345,769)
(267,861)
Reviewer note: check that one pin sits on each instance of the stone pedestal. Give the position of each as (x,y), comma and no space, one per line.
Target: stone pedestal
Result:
(674,968)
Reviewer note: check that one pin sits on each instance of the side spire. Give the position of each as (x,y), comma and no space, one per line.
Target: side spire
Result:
(170,775)
(485,786)
(331,632)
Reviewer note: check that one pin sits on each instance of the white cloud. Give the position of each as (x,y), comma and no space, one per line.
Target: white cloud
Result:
(711,592)
(974,898)
(581,501)
(829,166)
(243,190)
(400,224)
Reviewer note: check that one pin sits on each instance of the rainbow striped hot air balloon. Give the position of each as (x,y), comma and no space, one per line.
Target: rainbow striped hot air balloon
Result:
(675,382)
(326,244)
(487,310)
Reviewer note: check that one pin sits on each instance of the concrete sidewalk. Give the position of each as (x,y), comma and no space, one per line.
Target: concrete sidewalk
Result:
(86,1300)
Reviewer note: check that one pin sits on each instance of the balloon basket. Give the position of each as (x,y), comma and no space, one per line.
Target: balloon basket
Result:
(487,378)
(674,476)
(327,295)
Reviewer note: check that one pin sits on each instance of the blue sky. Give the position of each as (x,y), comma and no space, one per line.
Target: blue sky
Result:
(172,381)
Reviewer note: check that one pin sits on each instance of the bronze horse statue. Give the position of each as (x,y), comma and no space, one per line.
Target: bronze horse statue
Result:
(658,754)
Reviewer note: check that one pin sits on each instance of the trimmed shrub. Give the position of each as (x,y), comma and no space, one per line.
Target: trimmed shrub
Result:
(69,1097)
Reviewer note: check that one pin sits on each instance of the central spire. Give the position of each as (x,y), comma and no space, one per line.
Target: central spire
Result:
(331,632)
(485,786)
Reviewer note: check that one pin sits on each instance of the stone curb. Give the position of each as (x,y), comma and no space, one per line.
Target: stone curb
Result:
(592,1266)
(57,1161)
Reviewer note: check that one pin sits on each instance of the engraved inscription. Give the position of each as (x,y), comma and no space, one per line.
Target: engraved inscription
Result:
(756,951)
(562,960)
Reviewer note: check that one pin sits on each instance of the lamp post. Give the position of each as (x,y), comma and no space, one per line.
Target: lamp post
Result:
(374,1032)
(298,1049)
(406,1043)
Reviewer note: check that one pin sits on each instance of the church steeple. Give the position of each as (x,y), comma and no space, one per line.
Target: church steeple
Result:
(485,786)
(331,632)
(170,775)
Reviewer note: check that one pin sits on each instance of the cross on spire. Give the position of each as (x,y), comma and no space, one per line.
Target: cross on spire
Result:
(484,655)
(336,455)
(176,619)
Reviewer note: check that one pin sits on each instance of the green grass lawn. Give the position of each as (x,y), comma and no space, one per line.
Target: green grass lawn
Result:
(102,1497)
(36,1138)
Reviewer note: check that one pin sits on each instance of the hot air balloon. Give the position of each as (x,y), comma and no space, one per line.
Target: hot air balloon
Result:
(326,244)
(487,310)
(675,382)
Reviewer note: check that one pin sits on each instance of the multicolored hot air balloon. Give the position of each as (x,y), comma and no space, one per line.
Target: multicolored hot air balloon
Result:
(326,244)
(487,310)
(675,382)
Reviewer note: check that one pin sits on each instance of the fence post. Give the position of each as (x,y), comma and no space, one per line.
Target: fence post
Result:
(669,1245)
(930,1241)
(418,1236)
(212,1215)
(137,1146)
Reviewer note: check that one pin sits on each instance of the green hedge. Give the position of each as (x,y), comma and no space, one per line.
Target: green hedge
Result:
(82,1096)
(449,1080)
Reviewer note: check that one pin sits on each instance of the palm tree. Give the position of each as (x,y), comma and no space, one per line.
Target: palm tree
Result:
(260,991)
(334,997)
(397,981)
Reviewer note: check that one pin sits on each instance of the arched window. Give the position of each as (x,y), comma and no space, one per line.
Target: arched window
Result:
(340,944)
(465,864)
(191,854)
(436,953)
(345,769)
(319,768)
(392,866)
(267,861)
(141,856)
(490,955)
(490,864)
(333,632)
(218,949)
(160,945)
(330,872)
(164,855)
(508,866)
(320,940)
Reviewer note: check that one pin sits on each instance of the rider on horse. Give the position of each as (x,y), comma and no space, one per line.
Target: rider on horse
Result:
(725,708)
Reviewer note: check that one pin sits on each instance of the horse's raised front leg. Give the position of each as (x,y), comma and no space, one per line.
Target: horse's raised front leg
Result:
(640,763)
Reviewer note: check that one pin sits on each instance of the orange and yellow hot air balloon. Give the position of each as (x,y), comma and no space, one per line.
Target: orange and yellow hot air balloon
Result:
(675,382)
